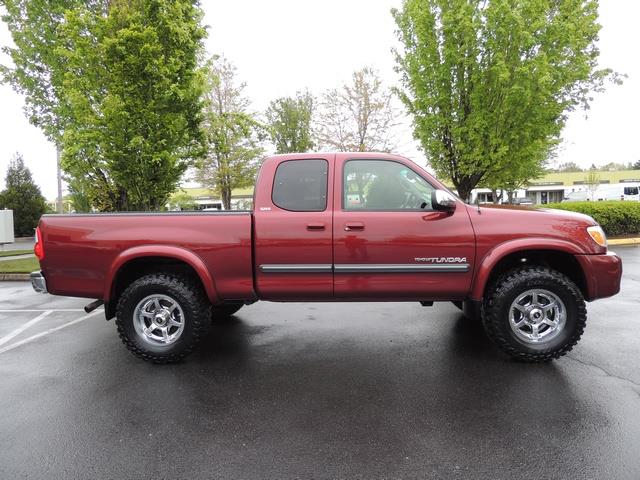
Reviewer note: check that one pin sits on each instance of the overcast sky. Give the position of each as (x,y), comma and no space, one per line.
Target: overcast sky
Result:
(282,46)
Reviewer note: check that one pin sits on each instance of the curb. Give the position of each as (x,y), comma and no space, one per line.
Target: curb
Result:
(14,277)
(624,241)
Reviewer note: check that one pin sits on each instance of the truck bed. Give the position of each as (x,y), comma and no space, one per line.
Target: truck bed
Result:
(84,251)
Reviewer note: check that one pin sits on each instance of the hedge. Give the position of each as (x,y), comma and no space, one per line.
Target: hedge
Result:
(615,217)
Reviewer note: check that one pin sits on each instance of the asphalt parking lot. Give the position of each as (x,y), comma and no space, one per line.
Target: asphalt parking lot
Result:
(317,391)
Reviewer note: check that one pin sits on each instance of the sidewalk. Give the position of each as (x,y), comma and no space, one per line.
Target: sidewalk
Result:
(16,257)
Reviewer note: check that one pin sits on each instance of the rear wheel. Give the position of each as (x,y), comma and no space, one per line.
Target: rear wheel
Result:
(534,314)
(162,317)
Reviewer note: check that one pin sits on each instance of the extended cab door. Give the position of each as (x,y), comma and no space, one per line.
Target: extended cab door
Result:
(293,228)
(388,241)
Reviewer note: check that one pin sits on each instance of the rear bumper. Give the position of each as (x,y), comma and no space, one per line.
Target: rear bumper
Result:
(602,274)
(38,282)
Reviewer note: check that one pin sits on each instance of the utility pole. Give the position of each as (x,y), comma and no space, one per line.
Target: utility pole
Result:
(59,202)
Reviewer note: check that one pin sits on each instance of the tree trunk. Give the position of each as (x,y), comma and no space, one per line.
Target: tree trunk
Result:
(225,193)
(464,188)
(59,205)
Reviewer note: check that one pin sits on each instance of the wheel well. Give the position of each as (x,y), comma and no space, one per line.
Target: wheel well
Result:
(562,262)
(138,268)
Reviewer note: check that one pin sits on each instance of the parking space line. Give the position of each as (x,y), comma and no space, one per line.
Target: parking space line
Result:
(21,329)
(43,310)
(47,332)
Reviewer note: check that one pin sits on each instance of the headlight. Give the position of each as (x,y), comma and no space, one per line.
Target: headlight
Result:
(598,235)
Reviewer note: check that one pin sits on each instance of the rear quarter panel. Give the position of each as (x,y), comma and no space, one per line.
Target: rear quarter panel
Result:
(81,250)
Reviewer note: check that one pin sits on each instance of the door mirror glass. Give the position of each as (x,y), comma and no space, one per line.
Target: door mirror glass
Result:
(443,201)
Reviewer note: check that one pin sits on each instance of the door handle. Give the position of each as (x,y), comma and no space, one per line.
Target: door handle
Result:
(358,226)
(315,226)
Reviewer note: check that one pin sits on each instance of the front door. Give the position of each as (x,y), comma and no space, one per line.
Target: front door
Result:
(388,241)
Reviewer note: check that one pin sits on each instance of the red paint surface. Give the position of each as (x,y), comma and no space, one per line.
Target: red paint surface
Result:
(85,252)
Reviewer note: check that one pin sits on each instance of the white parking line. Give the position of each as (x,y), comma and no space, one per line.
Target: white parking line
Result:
(21,329)
(44,310)
(47,332)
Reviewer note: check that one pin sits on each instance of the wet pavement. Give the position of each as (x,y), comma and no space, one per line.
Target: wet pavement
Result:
(389,390)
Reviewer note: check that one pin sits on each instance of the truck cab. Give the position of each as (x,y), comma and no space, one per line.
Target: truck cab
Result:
(357,227)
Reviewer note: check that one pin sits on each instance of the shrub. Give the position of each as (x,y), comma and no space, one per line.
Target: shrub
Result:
(615,217)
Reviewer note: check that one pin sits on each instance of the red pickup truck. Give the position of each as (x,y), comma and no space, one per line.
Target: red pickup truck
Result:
(334,227)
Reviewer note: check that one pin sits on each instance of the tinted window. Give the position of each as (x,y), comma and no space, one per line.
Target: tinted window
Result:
(631,190)
(384,185)
(301,185)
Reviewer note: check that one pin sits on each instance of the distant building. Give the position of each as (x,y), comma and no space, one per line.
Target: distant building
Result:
(554,187)
(204,198)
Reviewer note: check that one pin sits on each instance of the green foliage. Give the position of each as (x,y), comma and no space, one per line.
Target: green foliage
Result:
(569,167)
(233,134)
(22,196)
(182,201)
(38,71)
(13,253)
(489,83)
(592,181)
(80,201)
(289,123)
(116,82)
(134,89)
(23,265)
(615,217)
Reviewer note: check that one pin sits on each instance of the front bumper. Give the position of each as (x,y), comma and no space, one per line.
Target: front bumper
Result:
(602,274)
(38,282)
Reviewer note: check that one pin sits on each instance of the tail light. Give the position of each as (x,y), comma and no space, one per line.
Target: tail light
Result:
(38,248)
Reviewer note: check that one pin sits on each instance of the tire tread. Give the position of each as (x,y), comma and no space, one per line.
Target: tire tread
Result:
(504,284)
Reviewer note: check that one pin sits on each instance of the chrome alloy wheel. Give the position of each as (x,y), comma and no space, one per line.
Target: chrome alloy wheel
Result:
(537,316)
(158,319)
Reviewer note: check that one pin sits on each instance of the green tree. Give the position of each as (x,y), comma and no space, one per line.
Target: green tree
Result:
(359,116)
(569,167)
(117,85)
(233,134)
(289,123)
(592,181)
(489,84)
(80,202)
(22,196)
(37,72)
(134,89)
(182,201)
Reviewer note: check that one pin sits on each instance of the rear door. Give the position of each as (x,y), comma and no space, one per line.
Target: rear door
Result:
(388,241)
(293,229)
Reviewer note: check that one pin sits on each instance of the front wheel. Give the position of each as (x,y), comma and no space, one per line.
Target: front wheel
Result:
(161,317)
(534,314)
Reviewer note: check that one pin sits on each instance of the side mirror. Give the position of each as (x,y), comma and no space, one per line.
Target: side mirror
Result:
(443,201)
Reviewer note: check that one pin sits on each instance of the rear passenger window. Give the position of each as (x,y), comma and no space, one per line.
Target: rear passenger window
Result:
(301,185)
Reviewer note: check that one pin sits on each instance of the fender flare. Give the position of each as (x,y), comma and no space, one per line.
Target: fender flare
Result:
(167,251)
(495,255)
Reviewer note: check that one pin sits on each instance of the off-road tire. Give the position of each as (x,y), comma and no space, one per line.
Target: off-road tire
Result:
(224,311)
(502,292)
(191,298)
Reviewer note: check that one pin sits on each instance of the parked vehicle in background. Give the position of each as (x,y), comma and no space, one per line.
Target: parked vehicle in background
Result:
(334,227)
(619,191)
(522,201)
